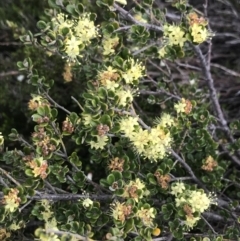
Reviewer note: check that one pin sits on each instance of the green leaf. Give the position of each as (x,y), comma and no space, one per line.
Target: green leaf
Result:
(79,177)
(102,93)
(80,8)
(52,4)
(65,31)
(106,120)
(117,175)
(71,8)
(74,118)
(119,192)
(36,117)
(104,183)
(129,225)
(75,159)
(54,113)
(110,179)
(148,2)
(29,173)
(13,136)
(41,24)
(118,62)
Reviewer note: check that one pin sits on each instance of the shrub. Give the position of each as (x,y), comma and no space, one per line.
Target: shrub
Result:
(121,166)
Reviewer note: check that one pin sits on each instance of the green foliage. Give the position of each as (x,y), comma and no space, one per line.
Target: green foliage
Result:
(103,162)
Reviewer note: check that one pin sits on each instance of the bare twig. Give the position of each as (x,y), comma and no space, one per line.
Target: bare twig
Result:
(159,92)
(128,16)
(79,237)
(55,103)
(77,103)
(13,72)
(188,169)
(213,93)
(9,177)
(229,71)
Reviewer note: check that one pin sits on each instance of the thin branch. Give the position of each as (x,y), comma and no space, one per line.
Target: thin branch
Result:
(77,103)
(159,68)
(10,177)
(123,28)
(158,92)
(25,205)
(209,225)
(79,237)
(229,71)
(55,103)
(13,72)
(128,16)
(70,197)
(213,94)
(188,169)
(3,182)
(143,49)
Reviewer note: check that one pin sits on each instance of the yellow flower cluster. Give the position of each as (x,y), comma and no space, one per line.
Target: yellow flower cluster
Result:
(111,79)
(87,203)
(174,35)
(36,102)
(122,211)
(146,215)
(134,72)
(39,167)
(183,106)
(198,28)
(193,202)
(199,33)
(100,143)
(125,97)
(152,143)
(11,200)
(177,36)
(109,45)
(131,190)
(80,33)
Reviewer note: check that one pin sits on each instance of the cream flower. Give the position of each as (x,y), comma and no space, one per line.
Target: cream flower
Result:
(134,73)
(146,216)
(120,211)
(72,48)
(61,22)
(191,221)
(125,97)
(100,144)
(140,138)
(199,201)
(175,35)
(180,106)
(199,33)
(109,45)
(162,52)
(177,188)
(87,203)
(128,124)
(166,120)
(85,29)
(11,200)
